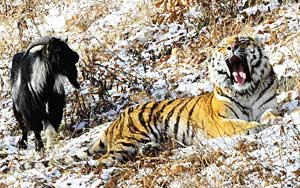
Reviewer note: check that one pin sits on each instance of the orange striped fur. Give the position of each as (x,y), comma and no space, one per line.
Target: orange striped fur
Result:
(234,107)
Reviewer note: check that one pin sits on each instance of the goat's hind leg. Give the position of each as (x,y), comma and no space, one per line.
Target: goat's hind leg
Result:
(22,143)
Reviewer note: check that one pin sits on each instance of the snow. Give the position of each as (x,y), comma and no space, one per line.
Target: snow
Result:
(55,21)
(270,158)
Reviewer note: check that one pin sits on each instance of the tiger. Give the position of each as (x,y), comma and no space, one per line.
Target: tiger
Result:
(244,88)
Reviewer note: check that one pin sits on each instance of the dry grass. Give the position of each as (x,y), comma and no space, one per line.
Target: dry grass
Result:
(101,71)
(219,20)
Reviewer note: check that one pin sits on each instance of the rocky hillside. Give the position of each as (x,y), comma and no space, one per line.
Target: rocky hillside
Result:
(133,51)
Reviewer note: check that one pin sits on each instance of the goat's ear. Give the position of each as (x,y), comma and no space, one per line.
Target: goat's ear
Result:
(64,39)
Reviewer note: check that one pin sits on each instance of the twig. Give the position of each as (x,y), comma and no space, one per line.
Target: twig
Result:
(116,55)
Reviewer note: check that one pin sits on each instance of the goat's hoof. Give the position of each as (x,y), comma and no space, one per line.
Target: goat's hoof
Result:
(21,145)
(40,150)
(39,147)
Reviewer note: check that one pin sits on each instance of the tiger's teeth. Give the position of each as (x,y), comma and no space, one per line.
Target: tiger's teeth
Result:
(239,77)
(239,73)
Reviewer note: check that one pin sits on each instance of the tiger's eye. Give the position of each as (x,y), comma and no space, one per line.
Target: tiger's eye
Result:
(228,48)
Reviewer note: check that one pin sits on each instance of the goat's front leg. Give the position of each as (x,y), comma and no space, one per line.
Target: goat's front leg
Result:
(56,105)
(38,141)
(23,140)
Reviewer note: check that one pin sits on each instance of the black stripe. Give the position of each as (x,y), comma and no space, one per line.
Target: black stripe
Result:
(130,122)
(149,121)
(190,115)
(178,117)
(136,139)
(193,134)
(127,144)
(192,109)
(233,111)
(124,153)
(168,118)
(141,117)
(110,132)
(264,90)
(102,145)
(257,64)
(130,109)
(120,124)
(167,104)
(221,72)
(155,119)
(260,52)
(253,88)
(131,126)
(133,129)
(183,139)
(241,106)
(221,115)
(272,97)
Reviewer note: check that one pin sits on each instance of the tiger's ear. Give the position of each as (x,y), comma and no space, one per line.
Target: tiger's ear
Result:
(258,41)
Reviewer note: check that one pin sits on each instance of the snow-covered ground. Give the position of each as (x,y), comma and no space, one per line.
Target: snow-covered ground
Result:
(140,53)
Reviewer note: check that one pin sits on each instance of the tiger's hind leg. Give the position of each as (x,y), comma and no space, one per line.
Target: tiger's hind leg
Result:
(100,146)
(150,149)
(122,150)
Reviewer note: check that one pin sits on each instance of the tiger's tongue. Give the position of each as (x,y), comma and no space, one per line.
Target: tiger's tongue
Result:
(238,73)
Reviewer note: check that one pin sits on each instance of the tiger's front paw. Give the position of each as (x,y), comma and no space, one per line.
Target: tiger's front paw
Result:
(256,128)
(269,117)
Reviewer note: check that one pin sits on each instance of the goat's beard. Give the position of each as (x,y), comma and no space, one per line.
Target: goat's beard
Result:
(75,83)
(72,77)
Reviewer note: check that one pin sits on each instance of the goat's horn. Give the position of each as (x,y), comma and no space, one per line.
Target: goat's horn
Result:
(41,41)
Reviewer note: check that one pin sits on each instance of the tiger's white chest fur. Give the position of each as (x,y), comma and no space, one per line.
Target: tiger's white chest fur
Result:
(242,69)
(251,107)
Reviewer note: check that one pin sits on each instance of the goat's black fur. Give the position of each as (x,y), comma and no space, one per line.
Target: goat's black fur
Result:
(37,91)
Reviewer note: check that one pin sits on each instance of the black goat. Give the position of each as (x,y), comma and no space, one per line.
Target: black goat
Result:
(37,89)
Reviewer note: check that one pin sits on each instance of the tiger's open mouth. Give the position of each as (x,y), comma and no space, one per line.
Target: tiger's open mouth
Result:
(238,69)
